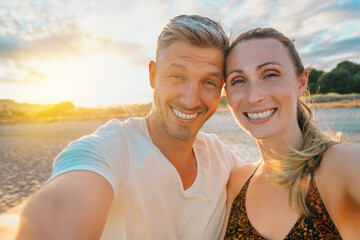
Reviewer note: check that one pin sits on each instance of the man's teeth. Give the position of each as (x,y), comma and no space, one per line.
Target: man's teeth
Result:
(184,115)
(261,115)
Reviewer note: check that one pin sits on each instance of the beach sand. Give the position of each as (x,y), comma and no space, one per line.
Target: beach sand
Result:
(27,152)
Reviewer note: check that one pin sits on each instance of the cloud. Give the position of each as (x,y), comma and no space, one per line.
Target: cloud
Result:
(71,41)
(41,30)
(327,55)
(20,72)
(325,33)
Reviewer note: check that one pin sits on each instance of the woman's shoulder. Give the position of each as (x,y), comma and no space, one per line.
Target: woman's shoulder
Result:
(337,181)
(239,177)
(341,156)
(340,166)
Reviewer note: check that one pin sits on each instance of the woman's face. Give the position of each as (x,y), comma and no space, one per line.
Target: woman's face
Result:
(262,87)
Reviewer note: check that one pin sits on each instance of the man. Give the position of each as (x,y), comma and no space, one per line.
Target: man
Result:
(148,178)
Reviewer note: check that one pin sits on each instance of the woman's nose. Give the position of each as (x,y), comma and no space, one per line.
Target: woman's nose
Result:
(255,93)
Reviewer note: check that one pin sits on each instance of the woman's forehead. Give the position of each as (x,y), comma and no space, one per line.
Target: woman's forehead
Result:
(258,50)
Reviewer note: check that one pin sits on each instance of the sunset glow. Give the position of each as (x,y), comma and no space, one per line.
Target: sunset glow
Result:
(96,53)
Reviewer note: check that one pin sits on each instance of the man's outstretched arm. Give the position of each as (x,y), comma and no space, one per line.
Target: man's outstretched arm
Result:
(74,205)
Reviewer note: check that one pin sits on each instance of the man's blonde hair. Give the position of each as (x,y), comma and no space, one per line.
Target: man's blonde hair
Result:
(194,30)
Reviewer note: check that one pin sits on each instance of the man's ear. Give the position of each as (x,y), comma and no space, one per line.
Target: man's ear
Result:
(152,73)
(302,83)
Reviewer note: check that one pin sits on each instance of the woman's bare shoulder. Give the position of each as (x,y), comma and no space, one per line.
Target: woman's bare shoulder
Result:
(342,155)
(340,165)
(337,181)
(239,176)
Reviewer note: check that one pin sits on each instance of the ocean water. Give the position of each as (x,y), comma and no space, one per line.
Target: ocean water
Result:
(342,120)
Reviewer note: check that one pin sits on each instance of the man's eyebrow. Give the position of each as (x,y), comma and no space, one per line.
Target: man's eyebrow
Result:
(268,63)
(215,74)
(176,65)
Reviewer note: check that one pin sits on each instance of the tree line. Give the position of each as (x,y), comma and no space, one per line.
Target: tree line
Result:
(344,78)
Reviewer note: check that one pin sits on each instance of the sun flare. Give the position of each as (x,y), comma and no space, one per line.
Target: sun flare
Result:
(92,80)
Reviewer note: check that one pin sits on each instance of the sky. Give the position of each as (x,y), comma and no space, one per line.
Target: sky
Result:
(96,53)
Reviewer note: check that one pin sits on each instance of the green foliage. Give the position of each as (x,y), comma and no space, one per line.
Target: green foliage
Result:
(353,68)
(355,79)
(313,83)
(338,80)
(344,78)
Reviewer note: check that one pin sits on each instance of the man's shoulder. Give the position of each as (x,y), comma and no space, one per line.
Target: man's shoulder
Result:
(211,140)
(110,136)
(114,128)
(212,143)
(129,123)
(207,137)
(216,148)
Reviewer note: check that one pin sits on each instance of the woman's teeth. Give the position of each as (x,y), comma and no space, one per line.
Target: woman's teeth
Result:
(260,115)
(184,115)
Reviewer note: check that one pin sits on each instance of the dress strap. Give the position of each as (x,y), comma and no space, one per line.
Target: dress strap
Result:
(255,169)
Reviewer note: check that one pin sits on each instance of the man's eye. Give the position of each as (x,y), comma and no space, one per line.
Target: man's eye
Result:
(177,76)
(209,82)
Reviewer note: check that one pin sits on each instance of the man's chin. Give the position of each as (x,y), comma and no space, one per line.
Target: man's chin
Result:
(184,135)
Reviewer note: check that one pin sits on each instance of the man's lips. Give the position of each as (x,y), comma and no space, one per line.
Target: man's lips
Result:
(183,115)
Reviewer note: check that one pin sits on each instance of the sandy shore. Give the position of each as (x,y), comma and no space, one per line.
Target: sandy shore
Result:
(26,156)
(27,153)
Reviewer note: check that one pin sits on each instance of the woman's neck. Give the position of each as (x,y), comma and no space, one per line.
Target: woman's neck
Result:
(280,144)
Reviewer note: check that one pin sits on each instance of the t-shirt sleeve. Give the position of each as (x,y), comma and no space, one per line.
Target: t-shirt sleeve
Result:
(97,153)
(234,159)
(228,156)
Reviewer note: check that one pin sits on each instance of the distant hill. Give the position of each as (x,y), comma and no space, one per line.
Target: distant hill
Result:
(13,112)
(8,104)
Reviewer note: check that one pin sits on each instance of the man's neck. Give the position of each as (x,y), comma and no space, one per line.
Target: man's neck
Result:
(174,149)
(179,152)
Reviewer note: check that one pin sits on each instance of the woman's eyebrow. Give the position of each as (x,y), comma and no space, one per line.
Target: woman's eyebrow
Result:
(236,70)
(268,63)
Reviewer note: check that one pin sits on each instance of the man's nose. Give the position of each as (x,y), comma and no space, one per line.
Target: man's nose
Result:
(191,95)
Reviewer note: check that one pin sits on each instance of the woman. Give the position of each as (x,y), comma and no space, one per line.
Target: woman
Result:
(306,186)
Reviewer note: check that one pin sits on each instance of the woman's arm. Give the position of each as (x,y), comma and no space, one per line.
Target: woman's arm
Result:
(339,186)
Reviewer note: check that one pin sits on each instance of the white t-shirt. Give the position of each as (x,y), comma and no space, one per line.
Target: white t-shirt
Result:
(149,199)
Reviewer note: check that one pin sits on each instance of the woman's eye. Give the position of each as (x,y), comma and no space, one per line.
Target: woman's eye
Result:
(270,75)
(237,81)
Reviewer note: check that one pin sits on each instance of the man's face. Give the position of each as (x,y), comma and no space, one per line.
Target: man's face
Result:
(187,83)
